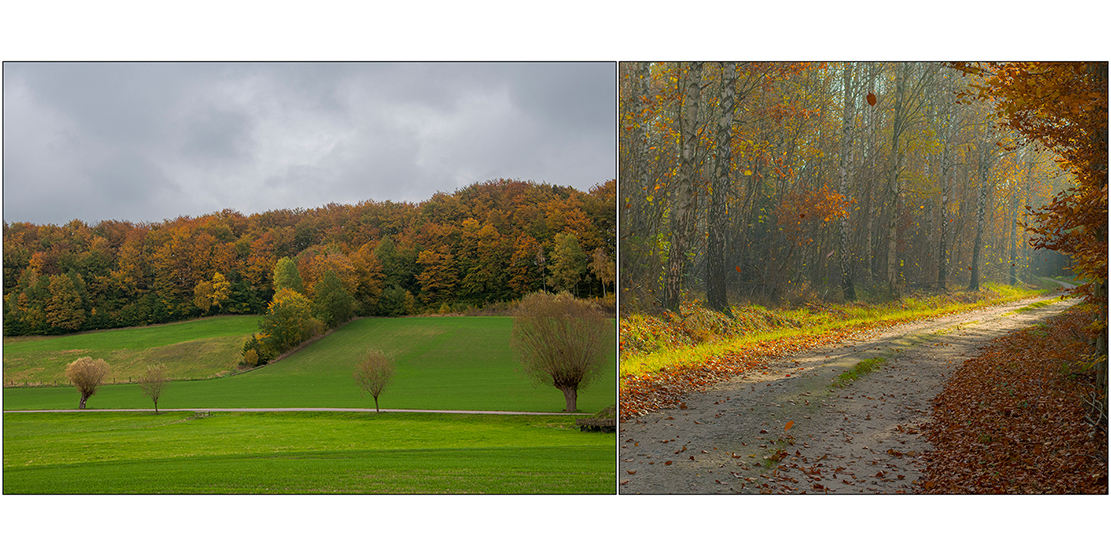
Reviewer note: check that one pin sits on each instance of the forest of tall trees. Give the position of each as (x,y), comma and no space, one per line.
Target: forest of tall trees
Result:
(489,242)
(776,182)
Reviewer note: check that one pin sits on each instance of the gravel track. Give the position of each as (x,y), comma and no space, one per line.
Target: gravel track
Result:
(863,438)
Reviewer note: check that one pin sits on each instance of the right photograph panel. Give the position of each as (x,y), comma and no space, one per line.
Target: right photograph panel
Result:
(863,278)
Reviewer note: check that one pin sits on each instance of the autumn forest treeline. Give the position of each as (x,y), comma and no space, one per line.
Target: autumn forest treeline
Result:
(486,243)
(775,182)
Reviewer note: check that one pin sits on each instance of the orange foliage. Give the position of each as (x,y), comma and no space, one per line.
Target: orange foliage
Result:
(1063,105)
(801,213)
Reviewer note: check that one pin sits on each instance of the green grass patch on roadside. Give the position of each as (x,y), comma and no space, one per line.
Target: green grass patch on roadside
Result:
(200,348)
(860,369)
(459,363)
(684,342)
(302,452)
(1036,305)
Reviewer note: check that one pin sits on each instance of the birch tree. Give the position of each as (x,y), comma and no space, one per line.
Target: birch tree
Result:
(846,161)
(716,296)
(682,205)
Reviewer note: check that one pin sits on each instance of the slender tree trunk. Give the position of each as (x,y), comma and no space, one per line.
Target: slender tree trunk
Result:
(946,191)
(1098,412)
(892,274)
(682,205)
(981,209)
(716,296)
(846,160)
(1013,223)
(870,212)
(376,410)
(640,138)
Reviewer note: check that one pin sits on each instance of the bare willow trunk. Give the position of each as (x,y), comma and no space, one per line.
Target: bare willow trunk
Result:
(716,296)
(846,161)
(682,204)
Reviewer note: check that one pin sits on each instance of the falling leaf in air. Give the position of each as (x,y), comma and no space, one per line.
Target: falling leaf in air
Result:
(871,99)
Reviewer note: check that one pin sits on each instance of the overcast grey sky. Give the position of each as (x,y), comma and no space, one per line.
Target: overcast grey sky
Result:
(147,141)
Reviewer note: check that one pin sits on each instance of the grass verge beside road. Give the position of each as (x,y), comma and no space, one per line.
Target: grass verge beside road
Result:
(664,358)
(649,345)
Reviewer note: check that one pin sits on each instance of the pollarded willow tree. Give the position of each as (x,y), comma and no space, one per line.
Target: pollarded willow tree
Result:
(86,374)
(561,341)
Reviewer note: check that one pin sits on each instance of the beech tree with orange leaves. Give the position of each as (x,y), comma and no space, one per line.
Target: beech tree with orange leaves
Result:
(1063,106)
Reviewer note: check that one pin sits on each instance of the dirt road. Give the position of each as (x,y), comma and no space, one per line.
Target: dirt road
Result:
(863,438)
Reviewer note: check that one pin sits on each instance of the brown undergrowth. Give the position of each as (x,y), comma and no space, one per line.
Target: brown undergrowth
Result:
(1014,420)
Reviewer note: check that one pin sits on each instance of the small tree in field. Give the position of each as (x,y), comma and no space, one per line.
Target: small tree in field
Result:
(153,382)
(374,373)
(560,341)
(86,374)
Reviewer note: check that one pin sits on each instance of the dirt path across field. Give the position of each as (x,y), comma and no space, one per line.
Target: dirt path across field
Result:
(864,438)
(293,409)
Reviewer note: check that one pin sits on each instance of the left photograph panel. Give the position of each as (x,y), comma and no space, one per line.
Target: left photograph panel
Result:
(308,278)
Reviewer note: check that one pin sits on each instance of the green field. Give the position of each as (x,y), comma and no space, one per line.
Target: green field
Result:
(442,363)
(200,348)
(302,452)
(456,363)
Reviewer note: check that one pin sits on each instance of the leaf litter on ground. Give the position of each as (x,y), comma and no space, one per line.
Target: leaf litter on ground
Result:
(1014,419)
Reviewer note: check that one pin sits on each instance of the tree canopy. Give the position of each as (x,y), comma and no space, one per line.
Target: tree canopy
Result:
(472,247)
(798,182)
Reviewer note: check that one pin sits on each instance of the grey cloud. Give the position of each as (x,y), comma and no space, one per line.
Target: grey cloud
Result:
(167,139)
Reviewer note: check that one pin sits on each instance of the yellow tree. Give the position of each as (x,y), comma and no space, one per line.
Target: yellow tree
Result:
(437,280)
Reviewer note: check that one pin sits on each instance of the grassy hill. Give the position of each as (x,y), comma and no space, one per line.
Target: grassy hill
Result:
(200,348)
(440,363)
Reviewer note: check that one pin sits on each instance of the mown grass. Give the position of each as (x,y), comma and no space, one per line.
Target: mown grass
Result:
(302,452)
(462,363)
(687,340)
(194,349)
